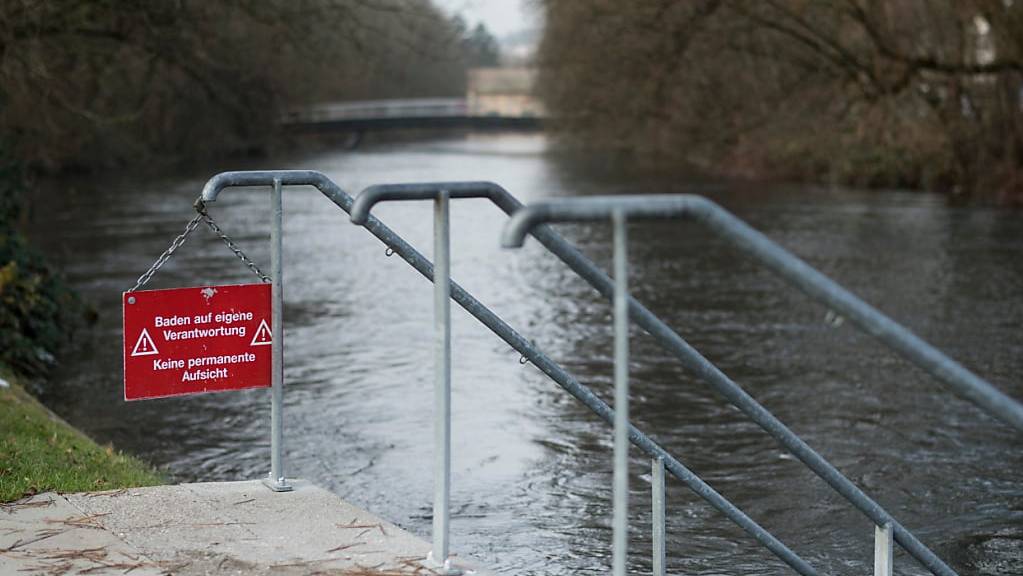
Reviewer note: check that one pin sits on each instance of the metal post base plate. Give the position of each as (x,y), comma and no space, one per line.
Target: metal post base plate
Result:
(281,485)
(444,568)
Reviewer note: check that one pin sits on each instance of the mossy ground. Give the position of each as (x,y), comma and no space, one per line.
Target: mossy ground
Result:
(40,453)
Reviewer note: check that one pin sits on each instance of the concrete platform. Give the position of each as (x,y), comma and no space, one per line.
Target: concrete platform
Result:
(201,529)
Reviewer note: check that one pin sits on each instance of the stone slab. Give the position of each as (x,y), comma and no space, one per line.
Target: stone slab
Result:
(203,529)
(46,534)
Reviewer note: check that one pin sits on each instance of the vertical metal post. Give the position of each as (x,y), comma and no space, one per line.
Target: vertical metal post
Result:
(442,382)
(277,481)
(621,405)
(658,504)
(883,550)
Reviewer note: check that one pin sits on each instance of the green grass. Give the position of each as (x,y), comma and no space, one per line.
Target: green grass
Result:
(40,453)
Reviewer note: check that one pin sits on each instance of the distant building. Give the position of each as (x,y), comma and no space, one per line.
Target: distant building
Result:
(503,92)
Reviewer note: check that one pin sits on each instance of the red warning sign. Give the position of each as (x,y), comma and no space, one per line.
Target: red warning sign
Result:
(193,340)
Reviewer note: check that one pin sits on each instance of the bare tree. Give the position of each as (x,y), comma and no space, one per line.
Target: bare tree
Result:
(885,92)
(93,83)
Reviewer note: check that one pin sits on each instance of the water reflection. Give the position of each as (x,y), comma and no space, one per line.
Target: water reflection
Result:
(532,467)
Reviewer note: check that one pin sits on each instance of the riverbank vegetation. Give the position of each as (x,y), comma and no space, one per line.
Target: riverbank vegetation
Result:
(90,85)
(40,453)
(918,93)
(38,312)
(93,84)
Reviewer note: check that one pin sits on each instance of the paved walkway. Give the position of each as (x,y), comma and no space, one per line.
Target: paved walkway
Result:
(200,529)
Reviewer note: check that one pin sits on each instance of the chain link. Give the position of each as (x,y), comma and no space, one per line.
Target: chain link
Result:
(234,247)
(201,216)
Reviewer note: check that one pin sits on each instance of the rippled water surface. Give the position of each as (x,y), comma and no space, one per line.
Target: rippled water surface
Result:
(532,467)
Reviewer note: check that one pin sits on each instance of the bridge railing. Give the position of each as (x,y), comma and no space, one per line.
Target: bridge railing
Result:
(379,109)
(638,313)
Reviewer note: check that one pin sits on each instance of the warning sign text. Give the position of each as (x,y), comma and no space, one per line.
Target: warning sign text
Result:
(191,340)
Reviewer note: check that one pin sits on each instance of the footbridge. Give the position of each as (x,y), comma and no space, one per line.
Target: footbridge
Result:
(407,114)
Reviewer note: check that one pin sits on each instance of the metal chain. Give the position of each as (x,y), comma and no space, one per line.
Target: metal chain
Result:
(189,228)
(230,244)
(201,216)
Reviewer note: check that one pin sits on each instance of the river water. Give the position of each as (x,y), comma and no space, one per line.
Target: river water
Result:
(531,467)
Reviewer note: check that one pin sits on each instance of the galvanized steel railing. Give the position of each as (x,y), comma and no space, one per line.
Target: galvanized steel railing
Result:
(782,262)
(620,208)
(795,271)
(442,334)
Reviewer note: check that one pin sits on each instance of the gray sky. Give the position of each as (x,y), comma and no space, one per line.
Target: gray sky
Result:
(502,17)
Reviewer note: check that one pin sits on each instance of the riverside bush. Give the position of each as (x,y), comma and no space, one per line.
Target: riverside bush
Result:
(38,311)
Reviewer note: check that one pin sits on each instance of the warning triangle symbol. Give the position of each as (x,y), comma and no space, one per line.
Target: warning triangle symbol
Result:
(263,336)
(145,345)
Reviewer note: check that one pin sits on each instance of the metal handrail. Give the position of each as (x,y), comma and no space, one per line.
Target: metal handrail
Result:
(693,360)
(442,355)
(811,282)
(646,319)
(795,271)
(495,324)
